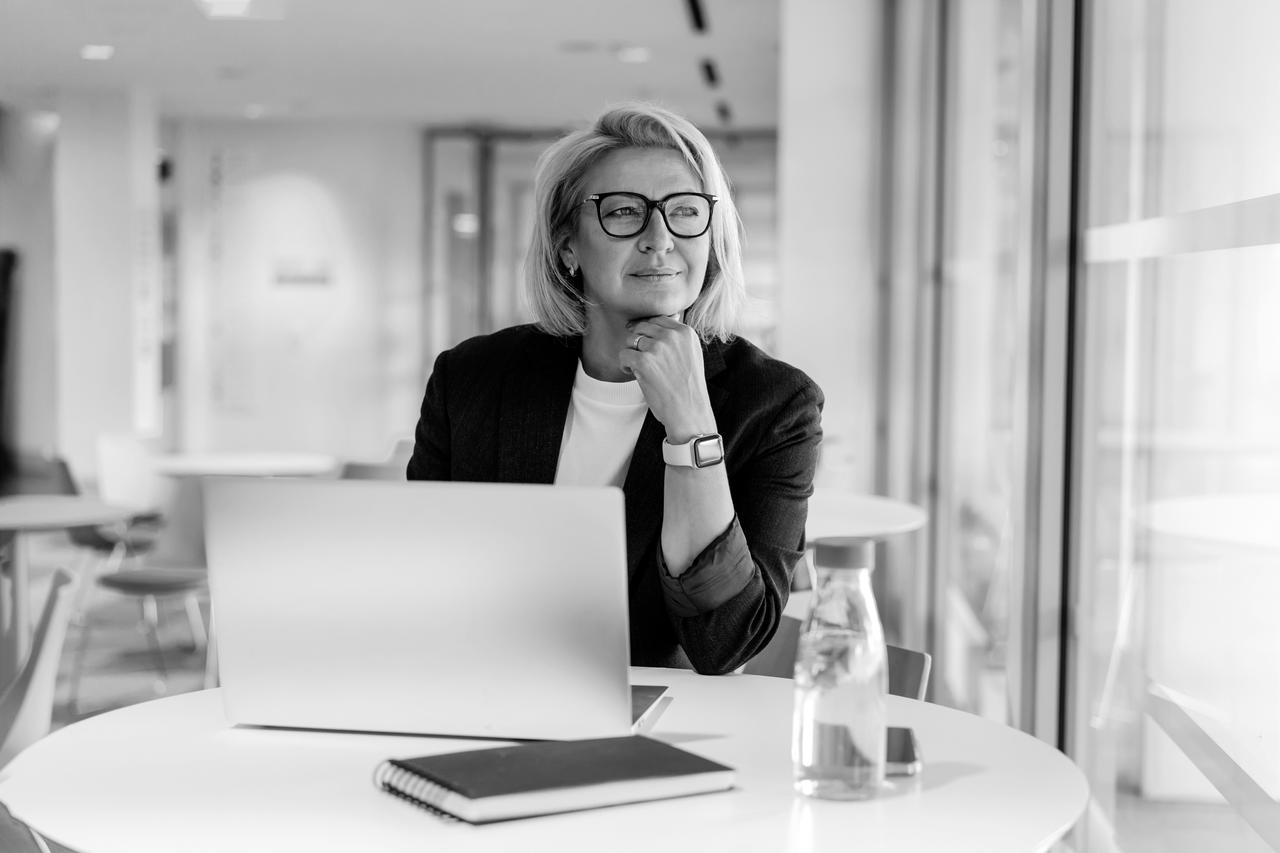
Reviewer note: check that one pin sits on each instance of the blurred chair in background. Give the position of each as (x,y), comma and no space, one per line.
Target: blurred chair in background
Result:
(371,471)
(149,584)
(908,669)
(400,455)
(126,473)
(392,469)
(26,706)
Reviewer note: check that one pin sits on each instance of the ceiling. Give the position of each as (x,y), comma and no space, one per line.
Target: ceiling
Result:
(510,63)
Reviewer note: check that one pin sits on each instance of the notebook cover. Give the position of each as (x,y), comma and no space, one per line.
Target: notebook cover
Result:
(543,765)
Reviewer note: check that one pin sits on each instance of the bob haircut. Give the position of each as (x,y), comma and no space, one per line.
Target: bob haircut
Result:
(556,298)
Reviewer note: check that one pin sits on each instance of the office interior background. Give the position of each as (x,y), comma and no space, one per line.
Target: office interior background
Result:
(1028,248)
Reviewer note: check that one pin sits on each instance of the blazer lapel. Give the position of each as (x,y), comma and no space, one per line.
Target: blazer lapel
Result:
(535,402)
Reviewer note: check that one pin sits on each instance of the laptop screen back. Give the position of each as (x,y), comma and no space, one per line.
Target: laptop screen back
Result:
(436,608)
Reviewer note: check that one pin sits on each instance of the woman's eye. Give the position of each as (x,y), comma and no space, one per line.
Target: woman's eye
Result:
(623,211)
(685,211)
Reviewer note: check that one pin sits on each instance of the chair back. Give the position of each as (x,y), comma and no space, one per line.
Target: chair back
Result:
(371,471)
(126,474)
(26,706)
(908,669)
(400,454)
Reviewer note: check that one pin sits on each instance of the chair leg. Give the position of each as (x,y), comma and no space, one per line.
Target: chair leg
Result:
(151,619)
(199,637)
(82,621)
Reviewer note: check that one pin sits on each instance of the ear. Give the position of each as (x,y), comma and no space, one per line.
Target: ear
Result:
(568,257)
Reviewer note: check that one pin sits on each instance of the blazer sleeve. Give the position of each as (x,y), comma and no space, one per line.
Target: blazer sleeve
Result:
(726,607)
(432,444)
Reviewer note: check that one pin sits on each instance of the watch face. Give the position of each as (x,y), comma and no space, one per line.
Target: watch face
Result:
(708,450)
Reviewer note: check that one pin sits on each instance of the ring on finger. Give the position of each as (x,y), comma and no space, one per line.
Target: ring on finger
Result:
(635,345)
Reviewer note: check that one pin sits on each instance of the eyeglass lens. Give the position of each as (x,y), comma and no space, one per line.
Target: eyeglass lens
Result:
(627,214)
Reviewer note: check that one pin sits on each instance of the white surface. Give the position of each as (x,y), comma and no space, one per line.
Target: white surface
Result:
(171,775)
(341,604)
(1251,521)
(867,516)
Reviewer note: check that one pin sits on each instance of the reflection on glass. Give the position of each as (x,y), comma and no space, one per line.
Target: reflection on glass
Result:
(1176,684)
(982,458)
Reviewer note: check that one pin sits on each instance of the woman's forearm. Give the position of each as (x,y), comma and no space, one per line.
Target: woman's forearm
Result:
(697,507)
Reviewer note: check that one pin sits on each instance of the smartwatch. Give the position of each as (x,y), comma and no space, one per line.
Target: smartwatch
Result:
(701,451)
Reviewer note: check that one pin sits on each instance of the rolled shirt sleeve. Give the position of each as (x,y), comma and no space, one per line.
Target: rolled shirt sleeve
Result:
(722,570)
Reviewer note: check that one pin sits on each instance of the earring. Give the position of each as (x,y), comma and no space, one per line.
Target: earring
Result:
(573,270)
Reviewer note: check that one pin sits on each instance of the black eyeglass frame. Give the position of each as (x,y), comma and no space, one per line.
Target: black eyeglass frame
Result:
(650,204)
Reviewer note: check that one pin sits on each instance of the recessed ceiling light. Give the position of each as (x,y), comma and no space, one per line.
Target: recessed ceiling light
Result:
(225,8)
(632,53)
(97,52)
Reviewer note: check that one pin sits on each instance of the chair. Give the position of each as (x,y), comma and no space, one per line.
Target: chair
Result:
(908,669)
(114,544)
(27,703)
(147,583)
(371,471)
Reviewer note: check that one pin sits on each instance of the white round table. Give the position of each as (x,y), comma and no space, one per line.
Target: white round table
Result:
(862,516)
(181,540)
(20,514)
(172,775)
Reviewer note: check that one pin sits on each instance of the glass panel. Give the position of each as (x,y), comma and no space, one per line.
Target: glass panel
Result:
(982,455)
(1179,507)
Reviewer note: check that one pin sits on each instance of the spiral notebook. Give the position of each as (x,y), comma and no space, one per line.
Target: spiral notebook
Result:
(507,782)
(487,610)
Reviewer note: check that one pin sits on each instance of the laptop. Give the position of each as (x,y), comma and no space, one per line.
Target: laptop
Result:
(482,610)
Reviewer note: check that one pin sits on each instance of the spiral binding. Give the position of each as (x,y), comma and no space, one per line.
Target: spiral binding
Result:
(414,789)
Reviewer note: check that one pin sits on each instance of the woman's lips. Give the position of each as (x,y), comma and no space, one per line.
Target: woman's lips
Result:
(656,275)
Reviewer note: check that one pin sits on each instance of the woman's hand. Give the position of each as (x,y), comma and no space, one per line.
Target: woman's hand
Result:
(665,356)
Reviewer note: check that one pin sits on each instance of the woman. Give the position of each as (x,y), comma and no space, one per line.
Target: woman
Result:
(632,377)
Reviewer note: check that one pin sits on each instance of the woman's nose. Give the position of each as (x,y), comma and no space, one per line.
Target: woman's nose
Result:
(656,237)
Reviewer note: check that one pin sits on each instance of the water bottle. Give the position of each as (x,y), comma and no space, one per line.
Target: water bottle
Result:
(842,676)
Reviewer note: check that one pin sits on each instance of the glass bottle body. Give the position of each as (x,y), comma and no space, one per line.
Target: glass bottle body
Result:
(841,678)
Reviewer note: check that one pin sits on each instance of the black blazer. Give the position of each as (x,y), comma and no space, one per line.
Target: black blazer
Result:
(495,409)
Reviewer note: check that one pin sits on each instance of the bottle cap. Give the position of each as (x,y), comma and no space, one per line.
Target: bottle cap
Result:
(844,552)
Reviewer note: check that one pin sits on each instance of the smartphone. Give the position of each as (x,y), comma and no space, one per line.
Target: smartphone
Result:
(902,754)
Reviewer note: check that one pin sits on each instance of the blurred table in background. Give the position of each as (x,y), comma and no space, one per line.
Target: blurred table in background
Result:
(21,514)
(861,516)
(181,543)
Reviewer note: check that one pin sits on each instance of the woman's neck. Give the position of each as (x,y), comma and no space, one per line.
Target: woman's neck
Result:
(601,344)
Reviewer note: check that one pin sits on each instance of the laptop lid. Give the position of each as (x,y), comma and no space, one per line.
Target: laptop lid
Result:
(488,610)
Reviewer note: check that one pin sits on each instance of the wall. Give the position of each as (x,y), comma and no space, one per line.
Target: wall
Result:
(107,301)
(828,217)
(26,225)
(300,286)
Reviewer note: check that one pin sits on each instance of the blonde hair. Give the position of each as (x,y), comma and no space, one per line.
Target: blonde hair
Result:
(555,297)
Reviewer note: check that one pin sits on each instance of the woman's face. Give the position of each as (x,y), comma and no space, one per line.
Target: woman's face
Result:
(654,272)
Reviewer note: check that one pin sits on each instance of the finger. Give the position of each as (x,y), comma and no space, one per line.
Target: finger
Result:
(653,324)
(649,329)
(632,361)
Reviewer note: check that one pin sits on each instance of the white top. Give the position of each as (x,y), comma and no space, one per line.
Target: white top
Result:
(172,775)
(600,431)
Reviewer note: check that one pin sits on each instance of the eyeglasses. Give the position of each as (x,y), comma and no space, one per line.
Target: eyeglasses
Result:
(627,214)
